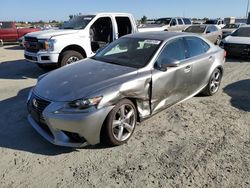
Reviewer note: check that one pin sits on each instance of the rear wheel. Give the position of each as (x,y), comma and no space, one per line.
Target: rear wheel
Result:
(70,56)
(214,83)
(120,123)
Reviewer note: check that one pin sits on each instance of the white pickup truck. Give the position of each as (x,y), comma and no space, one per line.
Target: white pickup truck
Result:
(79,38)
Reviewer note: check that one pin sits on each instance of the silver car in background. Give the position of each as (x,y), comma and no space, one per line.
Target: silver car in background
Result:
(210,32)
(101,99)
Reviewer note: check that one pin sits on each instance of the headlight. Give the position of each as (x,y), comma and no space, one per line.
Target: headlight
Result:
(47,45)
(85,103)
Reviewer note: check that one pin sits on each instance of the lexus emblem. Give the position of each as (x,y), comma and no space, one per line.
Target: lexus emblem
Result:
(34,102)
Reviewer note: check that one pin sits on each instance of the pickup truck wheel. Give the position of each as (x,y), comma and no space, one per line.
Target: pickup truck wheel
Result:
(69,57)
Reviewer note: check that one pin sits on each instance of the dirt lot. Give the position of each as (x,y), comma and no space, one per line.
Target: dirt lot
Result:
(204,142)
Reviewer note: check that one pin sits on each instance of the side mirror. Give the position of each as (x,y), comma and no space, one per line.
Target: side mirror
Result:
(208,31)
(167,63)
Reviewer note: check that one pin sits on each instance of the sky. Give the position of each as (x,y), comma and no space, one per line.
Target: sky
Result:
(34,10)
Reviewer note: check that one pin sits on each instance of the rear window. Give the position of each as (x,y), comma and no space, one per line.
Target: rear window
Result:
(5,25)
(187,21)
(242,32)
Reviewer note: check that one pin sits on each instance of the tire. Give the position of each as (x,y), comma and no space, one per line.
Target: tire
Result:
(218,40)
(69,57)
(115,134)
(214,83)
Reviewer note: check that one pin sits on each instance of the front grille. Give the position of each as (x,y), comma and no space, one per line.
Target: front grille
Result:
(36,107)
(31,44)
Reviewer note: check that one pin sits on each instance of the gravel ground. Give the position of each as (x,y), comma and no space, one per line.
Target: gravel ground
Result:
(203,142)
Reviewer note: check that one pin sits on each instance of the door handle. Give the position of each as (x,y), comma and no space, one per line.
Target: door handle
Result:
(187,69)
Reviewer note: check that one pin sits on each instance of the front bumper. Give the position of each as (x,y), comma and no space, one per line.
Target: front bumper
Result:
(42,57)
(68,129)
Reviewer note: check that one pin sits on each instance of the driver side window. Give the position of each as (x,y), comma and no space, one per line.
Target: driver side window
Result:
(173,50)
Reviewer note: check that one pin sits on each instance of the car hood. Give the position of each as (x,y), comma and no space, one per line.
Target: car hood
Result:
(237,40)
(81,79)
(47,34)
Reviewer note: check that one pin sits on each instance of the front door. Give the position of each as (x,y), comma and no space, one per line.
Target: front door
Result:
(171,86)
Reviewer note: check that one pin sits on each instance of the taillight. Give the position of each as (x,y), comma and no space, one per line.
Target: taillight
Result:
(225,53)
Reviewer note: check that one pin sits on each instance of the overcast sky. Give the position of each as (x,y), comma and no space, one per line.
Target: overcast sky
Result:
(34,10)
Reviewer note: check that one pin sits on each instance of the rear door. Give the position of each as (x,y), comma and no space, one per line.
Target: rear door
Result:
(124,26)
(201,62)
(172,85)
(8,32)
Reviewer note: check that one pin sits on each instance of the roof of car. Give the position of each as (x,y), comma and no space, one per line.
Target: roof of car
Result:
(156,35)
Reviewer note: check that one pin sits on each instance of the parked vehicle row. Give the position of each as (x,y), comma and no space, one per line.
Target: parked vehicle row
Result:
(167,24)
(100,99)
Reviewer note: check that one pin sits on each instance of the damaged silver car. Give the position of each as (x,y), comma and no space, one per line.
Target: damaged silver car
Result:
(101,99)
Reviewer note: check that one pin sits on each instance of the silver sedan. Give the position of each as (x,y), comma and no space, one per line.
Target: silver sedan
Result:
(210,32)
(101,99)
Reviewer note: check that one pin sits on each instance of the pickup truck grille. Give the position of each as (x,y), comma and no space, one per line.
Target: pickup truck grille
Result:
(31,44)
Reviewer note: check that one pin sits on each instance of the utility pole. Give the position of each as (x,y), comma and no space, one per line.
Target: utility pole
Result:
(247,9)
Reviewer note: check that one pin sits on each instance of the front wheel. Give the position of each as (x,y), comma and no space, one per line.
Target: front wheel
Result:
(70,56)
(214,83)
(120,123)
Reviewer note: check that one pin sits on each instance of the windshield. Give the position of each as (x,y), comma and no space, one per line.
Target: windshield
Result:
(242,32)
(231,26)
(164,21)
(130,52)
(213,22)
(78,22)
(196,29)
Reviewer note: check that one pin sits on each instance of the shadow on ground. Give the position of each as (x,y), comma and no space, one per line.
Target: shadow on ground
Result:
(240,94)
(15,131)
(19,69)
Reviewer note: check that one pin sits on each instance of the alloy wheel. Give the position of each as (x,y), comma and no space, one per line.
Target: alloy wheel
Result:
(72,59)
(124,122)
(215,81)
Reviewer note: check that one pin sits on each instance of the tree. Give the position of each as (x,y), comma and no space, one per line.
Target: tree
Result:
(143,20)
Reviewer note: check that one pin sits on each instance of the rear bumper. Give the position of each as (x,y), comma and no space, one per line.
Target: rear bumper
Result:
(238,50)
(42,57)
